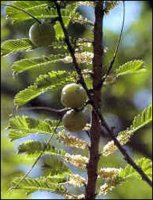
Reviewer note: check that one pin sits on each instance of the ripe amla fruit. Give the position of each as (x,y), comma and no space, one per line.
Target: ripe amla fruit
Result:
(73,96)
(74,121)
(41,34)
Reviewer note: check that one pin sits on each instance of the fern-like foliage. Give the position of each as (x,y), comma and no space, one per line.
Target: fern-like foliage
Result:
(36,63)
(131,67)
(51,81)
(123,137)
(55,161)
(35,147)
(54,183)
(14,46)
(67,14)
(21,126)
(134,66)
(47,8)
(39,9)
(114,177)
(49,163)
(24,44)
(144,163)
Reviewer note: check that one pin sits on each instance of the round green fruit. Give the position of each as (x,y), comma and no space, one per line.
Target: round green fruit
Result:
(73,96)
(74,121)
(41,35)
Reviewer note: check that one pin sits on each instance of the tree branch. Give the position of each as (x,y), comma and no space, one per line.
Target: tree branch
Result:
(95,130)
(96,110)
(70,48)
(126,156)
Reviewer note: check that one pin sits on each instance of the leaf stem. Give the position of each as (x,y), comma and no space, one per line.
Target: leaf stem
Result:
(58,111)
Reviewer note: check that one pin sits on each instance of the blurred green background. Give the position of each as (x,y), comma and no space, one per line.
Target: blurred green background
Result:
(121,101)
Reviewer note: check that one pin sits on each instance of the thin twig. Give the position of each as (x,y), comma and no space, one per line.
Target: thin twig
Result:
(103,123)
(70,48)
(38,158)
(117,46)
(124,153)
(58,111)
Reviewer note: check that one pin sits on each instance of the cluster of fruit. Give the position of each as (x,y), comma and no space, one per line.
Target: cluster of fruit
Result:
(74,96)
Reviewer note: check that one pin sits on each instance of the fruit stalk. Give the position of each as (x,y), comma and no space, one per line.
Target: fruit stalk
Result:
(95,130)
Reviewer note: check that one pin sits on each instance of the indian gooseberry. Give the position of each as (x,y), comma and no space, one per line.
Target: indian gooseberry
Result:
(74,121)
(41,34)
(73,96)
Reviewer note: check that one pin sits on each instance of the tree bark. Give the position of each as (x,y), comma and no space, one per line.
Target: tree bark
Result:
(95,131)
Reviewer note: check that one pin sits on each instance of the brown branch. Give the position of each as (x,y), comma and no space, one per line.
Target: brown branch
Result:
(96,109)
(126,156)
(71,49)
(95,130)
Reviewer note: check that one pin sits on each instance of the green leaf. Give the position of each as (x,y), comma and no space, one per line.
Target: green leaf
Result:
(49,163)
(51,81)
(70,11)
(142,119)
(123,137)
(58,30)
(27,94)
(21,126)
(130,67)
(54,183)
(14,46)
(33,146)
(125,174)
(36,63)
(38,9)
(144,163)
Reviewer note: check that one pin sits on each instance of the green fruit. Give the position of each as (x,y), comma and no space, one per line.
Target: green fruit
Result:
(74,121)
(73,96)
(41,35)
